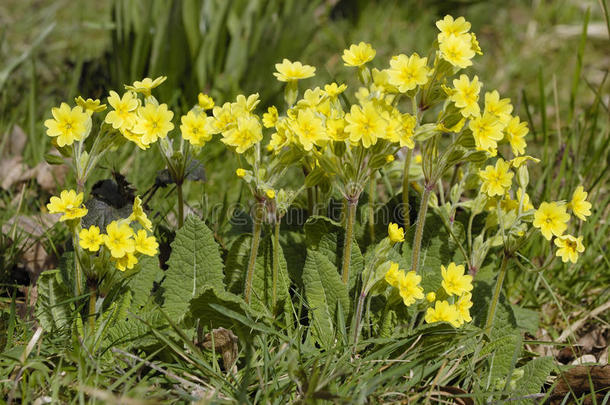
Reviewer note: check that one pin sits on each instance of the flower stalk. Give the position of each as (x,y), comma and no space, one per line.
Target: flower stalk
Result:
(405,188)
(352,203)
(421,221)
(276,261)
(496,297)
(256,237)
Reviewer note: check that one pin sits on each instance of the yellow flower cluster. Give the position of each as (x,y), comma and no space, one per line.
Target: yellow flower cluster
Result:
(122,241)
(407,284)
(455,283)
(69,203)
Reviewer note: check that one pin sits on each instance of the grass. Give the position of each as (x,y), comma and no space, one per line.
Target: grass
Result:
(536,54)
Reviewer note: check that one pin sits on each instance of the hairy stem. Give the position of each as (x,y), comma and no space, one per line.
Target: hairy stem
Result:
(421,221)
(371,208)
(358,319)
(77,266)
(92,300)
(256,237)
(349,233)
(496,297)
(405,188)
(276,261)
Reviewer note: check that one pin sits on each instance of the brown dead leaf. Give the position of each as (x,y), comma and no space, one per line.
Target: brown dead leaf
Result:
(577,382)
(17,140)
(225,342)
(11,171)
(50,177)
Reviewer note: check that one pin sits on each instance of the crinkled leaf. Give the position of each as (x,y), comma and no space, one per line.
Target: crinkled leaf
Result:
(141,283)
(194,264)
(100,213)
(53,307)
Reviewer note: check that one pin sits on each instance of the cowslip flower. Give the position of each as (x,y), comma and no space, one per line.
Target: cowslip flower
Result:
(569,248)
(90,239)
(515,133)
(358,55)
(195,128)
(497,107)
(288,71)
(463,306)
(496,179)
(68,124)
(431,297)
(146,85)
(240,172)
(396,233)
(457,50)
(394,275)
(68,203)
(245,134)
(409,288)
(145,244)
(579,204)
(365,124)
(487,131)
(449,26)
(125,262)
(270,117)
(138,214)
(122,117)
(406,73)
(270,194)
(119,239)
(443,312)
(309,129)
(455,282)
(153,122)
(205,102)
(333,90)
(89,105)
(551,219)
(466,95)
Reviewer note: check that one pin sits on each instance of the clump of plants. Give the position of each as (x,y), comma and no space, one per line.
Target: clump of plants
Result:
(461,156)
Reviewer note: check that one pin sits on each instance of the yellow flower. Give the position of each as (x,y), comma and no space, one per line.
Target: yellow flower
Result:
(409,288)
(288,71)
(270,117)
(333,90)
(396,233)
(466,95)
(153,122)
(358,55)
(431,297)
(282,137)
(515,133)
(443,312)
(496,180)
(455,282)
(335,129)
(526,204)
(90,239)
(138,214)
(119,239)
(146,85)
(68,203)
(89,105)
(519,161)
(463,308)
(498,108)
(243,105)
(394,275)
(68,124)
(406,73)
(475,44)
(270,194)
(195,128)
(551,219)
(223,120)
(206,102)
(448,26)
(145,244)
(457,50)
(365,124)
(247,132)
(121,117)
(389,158)
(127,261)
(309,129)
(569,248)
(579,204)
(240,172)
(133,137)
(487,131)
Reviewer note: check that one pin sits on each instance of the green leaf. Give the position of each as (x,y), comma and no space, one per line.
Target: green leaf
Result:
(53,306)
(535,374)
(142,282)
(324,292)
(262,281)
(202,308)
(327,237)
(527,319)
(237,263)
(194,264)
